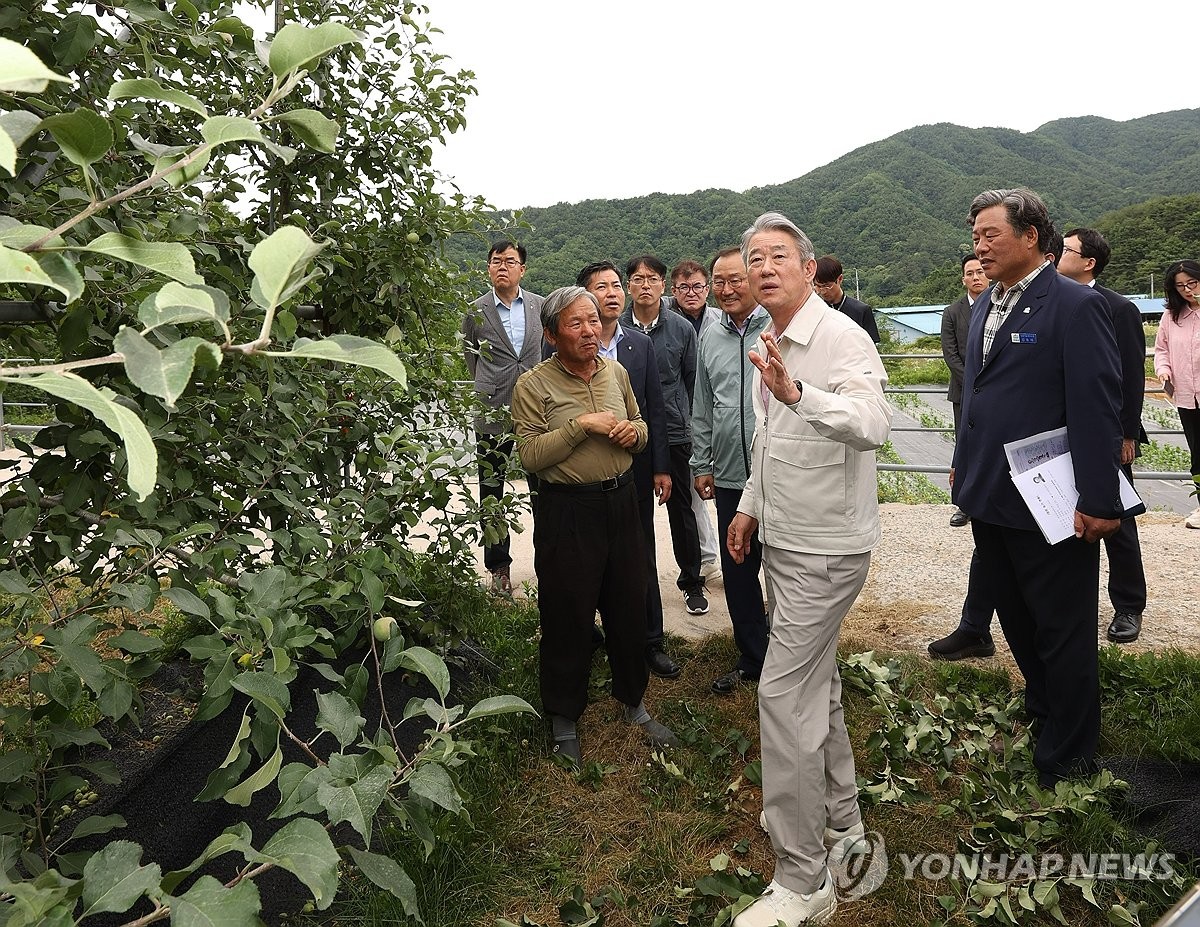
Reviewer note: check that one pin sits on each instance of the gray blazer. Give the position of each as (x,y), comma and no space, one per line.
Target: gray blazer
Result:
(493,360)
(956,322)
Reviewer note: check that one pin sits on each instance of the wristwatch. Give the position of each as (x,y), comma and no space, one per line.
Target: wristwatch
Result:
(800,389)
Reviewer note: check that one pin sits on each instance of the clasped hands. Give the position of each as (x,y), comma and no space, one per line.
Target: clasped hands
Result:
(619,431)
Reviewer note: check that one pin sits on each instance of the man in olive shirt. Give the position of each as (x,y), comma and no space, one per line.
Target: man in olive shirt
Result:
(577,427)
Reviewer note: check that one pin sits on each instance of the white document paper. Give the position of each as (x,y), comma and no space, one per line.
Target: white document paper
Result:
(1049,491)
(1036,449)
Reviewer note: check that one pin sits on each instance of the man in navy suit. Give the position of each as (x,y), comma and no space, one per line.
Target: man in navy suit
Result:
(502,337)
(1041,355)
(652,467)
(1085,255)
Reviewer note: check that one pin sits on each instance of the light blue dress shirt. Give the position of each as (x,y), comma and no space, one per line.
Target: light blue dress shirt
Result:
(513,318)
(610,352)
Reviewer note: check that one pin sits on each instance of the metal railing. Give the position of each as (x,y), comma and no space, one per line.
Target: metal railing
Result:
(930,429)
(895,468)
(5,427)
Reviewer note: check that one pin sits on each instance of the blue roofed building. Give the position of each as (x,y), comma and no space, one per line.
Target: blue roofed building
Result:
(908,323)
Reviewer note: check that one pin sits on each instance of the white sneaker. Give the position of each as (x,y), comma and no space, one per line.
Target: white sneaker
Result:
(1193,520)
(710,568)
(781,905)
(841,843)
(838,843)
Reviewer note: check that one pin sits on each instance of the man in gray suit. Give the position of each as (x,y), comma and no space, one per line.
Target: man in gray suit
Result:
(502,338)
(956,322)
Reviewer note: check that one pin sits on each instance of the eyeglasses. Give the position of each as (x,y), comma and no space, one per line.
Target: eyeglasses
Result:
(1072,250)
(504,262)
(824,286)
(734,283)
(690,287)
(641,280)
(1186,286)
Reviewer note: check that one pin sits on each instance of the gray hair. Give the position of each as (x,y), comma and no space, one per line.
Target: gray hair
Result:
(557,301)
(1024,209)
(778,222)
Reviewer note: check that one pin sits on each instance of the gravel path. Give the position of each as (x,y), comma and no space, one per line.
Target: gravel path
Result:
(918,579)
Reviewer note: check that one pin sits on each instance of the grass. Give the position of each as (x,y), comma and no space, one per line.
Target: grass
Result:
(1164,457)
(907,488)
(638,839)
(923,412)
(1164,418)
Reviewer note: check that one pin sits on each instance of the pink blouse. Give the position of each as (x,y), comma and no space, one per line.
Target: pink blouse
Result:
(1177,355)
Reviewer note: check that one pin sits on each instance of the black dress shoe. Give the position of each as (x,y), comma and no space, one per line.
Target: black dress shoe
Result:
(727,682)
(959,518)
(1125,628)
(567,750)
(960,644)
(660,664)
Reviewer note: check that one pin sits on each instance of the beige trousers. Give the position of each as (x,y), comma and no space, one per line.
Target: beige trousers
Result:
(807,763)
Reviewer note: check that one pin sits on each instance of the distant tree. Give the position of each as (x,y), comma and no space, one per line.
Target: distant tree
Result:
(895,209)
(1148,237)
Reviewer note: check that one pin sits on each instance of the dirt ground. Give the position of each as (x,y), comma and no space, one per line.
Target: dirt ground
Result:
(918,579)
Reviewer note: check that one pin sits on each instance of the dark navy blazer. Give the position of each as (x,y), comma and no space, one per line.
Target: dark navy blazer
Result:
(1131,345)
(1054,362)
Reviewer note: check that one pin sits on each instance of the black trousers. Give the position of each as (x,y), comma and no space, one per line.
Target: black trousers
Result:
(685,536)
(493,452)
(1126,578)
(743,591)
(589,556)
(1189,421)
(1126,575)
(1047,599)
(980,603)
(654,607)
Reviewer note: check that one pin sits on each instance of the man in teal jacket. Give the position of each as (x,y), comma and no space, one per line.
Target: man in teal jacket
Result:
(722,432)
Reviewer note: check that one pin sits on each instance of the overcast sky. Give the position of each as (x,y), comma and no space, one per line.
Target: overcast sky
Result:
(581,100)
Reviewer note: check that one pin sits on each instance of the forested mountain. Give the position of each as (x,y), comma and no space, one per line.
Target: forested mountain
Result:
(895,210)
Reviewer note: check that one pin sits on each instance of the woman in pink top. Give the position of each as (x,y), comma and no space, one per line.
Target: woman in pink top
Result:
(1177,357)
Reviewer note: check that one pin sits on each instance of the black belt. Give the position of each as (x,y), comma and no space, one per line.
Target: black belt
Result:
(615,482)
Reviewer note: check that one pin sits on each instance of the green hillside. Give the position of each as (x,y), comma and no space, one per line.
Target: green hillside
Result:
(894,210)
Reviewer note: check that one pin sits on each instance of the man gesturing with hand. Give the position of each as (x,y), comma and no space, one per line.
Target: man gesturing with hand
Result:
(811,497)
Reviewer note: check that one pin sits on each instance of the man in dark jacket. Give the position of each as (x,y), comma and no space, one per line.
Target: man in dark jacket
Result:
(1085,255)
(956,322)
(1041,355)
(675,350)
(828,284)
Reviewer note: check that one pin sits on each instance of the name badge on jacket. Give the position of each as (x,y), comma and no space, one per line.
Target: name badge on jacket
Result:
(1024,337)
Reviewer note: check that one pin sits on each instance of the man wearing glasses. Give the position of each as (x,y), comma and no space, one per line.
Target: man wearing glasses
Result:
(721,451)
(502,338)
(675,350)
(1085,255)
(689,286)
(828,285)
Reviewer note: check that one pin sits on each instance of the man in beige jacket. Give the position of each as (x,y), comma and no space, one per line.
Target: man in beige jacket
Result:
(821,413)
